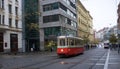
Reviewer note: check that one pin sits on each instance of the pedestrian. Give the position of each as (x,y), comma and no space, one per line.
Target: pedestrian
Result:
(110,45)
(51,49)
(118,48)
(33,47)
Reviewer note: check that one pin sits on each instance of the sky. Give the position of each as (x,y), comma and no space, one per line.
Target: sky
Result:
(104,12)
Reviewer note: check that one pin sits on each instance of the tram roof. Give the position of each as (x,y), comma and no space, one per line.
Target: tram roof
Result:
(69,37)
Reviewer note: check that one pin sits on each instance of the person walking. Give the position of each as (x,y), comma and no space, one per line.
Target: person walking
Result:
(118,48)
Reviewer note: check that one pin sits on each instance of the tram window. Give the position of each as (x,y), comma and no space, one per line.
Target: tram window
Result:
(67,42)
(72,42)
(81,42)
(62,42)
(77,42)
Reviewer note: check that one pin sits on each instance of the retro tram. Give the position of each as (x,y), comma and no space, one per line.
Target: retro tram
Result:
(69,45)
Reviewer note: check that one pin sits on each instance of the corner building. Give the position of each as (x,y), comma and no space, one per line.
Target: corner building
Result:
(58,17)
(85,24)
(10,26)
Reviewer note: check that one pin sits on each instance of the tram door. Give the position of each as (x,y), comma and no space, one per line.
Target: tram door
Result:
(1,42)
(14,42)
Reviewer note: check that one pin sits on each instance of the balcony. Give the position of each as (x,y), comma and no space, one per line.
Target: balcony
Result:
(3,28)
(15,29)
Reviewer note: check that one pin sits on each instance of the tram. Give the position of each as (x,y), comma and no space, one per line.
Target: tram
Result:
(69,45)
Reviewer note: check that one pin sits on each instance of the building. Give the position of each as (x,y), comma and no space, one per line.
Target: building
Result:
(118,21)
(31,38)
(105,33)
(113,30)
(102,34)
(58,17)
(85,24)
(10,26)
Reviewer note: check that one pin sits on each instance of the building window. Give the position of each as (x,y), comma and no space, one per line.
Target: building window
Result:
(51,18)
(52,6)
(16,0)
(73,5)
(10,8)
(3,19)
(10,22)
(16,10)
(63,7)
(52,31)
(0,19)
(16,23)
(3,4)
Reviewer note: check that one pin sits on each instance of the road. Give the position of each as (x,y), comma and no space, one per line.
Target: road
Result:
(98,58)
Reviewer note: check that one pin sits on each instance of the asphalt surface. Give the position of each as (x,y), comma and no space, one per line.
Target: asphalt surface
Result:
(98,58)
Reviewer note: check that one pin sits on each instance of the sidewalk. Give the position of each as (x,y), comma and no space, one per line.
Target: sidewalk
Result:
(30,53)
(114,60)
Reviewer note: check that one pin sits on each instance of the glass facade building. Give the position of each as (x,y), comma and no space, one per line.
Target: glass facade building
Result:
(58,18)
(31,25)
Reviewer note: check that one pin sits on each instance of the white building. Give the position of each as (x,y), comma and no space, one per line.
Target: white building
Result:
(10,26)
(100,34)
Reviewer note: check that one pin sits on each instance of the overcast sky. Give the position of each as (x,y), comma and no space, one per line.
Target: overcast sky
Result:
(104,12)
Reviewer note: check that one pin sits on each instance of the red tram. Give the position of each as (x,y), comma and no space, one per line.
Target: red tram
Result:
(68,46)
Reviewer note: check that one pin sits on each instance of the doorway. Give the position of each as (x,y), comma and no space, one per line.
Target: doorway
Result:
(1,42)
(14,42)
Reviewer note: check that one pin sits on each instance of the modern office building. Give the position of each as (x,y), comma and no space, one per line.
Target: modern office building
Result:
(58,17)
(10,26)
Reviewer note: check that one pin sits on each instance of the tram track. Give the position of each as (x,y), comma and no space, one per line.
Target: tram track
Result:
(36,63)
(85,59)
(54,60)
(44,63)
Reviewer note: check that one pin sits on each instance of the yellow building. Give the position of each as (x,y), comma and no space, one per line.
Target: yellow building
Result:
(85,24)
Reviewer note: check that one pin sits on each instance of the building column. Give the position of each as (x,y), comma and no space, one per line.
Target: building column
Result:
(42,40)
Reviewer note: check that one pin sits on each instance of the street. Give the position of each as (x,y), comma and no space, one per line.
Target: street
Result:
(97,58)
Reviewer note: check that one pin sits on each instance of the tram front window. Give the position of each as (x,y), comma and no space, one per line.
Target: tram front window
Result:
(62,42)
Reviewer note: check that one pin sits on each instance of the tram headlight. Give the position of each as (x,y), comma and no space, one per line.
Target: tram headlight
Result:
(61,50)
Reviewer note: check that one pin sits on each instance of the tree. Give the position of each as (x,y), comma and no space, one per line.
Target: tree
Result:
(96,41)
(113,39)
(50,45)
(34,26)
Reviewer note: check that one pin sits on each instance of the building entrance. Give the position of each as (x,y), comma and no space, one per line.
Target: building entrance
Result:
(14,42)
(1,42)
